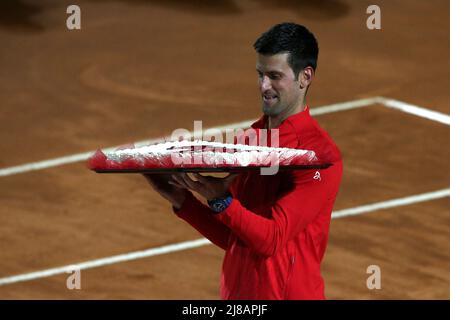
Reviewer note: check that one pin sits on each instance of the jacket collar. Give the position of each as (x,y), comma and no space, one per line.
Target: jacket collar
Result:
(296,122)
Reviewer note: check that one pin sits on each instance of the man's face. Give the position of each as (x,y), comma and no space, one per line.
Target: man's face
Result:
(279,89)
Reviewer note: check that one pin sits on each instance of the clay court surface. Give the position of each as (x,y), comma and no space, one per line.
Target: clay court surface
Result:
(139,69)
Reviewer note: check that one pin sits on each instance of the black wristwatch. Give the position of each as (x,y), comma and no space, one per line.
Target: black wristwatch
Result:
(220,204)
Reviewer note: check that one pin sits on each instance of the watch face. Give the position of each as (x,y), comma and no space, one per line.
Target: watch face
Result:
(219,206)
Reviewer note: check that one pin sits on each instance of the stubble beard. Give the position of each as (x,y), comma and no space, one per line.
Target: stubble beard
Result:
(272,111)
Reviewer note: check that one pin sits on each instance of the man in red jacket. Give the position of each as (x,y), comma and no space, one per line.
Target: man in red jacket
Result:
(273,228)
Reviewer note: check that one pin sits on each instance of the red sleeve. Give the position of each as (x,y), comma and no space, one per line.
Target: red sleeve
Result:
(290,214)
(202,218)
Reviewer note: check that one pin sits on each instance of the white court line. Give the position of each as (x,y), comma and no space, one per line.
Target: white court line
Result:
(392,203)
(106,261)
(239,125)
(203,241)
(416,110)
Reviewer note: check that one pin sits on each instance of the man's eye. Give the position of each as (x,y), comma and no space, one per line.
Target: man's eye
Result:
(275,76)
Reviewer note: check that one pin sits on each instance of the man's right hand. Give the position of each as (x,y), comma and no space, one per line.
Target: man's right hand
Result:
(160,182)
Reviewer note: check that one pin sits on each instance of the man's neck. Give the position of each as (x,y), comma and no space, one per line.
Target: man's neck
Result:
(275,121)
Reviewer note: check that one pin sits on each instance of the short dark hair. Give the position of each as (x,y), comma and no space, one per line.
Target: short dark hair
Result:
(290,38)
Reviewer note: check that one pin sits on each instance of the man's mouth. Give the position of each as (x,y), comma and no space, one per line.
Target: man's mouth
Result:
(269,98)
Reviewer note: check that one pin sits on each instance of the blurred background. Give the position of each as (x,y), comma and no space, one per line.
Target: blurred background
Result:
(138,69)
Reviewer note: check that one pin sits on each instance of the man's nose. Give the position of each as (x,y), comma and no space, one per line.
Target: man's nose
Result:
(265,84)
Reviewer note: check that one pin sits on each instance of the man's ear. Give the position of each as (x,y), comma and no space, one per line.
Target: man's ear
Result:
(306,77)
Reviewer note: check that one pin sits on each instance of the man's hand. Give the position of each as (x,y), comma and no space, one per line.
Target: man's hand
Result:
(160,182)
(207,186)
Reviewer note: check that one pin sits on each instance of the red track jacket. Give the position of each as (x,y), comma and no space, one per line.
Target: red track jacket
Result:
(276,229)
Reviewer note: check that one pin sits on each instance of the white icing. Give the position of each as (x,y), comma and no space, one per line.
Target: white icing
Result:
(215,153)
